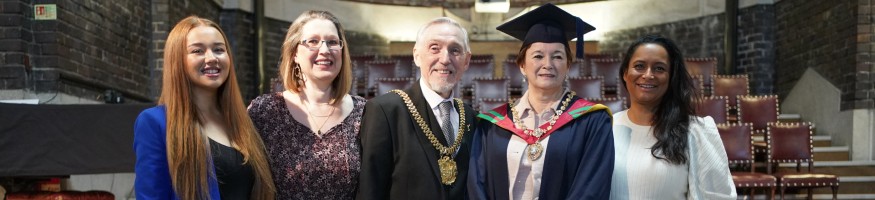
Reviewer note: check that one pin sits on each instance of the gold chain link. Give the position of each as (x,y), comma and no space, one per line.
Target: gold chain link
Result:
(434,142)
(537,132)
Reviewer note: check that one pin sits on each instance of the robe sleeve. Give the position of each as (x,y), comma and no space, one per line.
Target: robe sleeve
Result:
(593,177)
(709,176)
(477,171)
(377,157)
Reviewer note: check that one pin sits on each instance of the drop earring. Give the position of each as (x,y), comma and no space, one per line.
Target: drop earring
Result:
(297,73)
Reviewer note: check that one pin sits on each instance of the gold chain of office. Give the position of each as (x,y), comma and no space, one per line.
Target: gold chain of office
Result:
(446,163)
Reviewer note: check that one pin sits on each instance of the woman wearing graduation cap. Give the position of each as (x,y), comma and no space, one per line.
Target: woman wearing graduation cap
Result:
(549,144)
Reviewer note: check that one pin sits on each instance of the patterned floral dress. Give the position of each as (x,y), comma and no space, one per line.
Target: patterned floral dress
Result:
(304,165)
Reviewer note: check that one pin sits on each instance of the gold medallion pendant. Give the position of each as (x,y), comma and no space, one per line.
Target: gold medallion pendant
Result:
(448,170)
(446,164)
(535,151)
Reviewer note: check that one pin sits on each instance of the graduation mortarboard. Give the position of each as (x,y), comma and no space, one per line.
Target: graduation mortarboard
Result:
(550,24)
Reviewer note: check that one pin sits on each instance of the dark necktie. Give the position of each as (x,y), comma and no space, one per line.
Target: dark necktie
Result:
(446,108)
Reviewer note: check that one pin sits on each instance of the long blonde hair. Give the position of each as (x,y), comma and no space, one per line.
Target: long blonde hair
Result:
(341,84)
(188,156)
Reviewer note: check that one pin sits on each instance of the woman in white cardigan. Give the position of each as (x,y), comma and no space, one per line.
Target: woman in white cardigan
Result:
(663,151)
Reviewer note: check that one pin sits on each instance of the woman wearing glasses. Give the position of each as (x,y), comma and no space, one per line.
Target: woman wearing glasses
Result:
(311,129)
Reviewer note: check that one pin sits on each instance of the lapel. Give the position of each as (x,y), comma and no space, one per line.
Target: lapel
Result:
(428,149)
(415,93)
(470,116)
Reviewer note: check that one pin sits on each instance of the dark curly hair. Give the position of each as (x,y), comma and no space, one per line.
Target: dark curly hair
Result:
(672,116)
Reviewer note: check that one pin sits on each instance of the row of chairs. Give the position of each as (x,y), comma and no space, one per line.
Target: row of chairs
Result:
(490,92)
(367,69)
(756,109)
(785,143)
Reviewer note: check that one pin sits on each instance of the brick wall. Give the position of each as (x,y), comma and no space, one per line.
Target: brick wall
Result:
(699,37)
(832,37)
(16,43)
(756,47)
(165,14)
(91,47)
(864,88)
(704,37)
(239,26)
(274,33)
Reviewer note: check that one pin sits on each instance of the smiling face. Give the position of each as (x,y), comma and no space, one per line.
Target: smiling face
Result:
(545,66)
(323,63)
(207,59)
(647,76)
(442,57)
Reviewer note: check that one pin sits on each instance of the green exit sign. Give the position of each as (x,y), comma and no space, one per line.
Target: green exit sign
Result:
(45,12)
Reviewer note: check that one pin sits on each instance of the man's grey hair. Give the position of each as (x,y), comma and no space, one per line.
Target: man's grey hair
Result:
(445,20)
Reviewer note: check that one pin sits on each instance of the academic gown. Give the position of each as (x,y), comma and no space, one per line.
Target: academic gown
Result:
(579,159)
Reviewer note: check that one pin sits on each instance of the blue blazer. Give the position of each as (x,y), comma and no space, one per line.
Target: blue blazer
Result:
(152,179)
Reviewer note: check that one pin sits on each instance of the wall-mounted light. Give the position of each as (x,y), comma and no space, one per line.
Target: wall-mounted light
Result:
(491,6)
(113,97)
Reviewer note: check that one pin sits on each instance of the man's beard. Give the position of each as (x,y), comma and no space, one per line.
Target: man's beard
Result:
(443,87)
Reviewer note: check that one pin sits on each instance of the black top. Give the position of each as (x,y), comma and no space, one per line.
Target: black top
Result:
(235,178)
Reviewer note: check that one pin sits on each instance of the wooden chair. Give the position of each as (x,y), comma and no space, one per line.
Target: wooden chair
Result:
(404,66)
(359,72)
(378,69)
(587,87)
(482,57)
(485,105)
(714,106)
(737,140)
(610,70)
(477,68)
(385,85)
(792,143)
(578,68)
(698,85)
(512,71)
(704,67)
(615,104)
(758,110)
(730,86)
(491,88)
(621,93)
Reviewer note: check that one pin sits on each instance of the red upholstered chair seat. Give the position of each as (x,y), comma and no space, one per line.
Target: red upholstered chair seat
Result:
(807,180)
(65,195)
(752,179)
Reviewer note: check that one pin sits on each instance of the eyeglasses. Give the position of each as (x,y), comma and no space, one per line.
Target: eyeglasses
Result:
(314,45)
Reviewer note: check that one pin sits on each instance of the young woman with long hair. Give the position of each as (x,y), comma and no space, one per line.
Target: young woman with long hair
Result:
(198,143)
(663,151)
